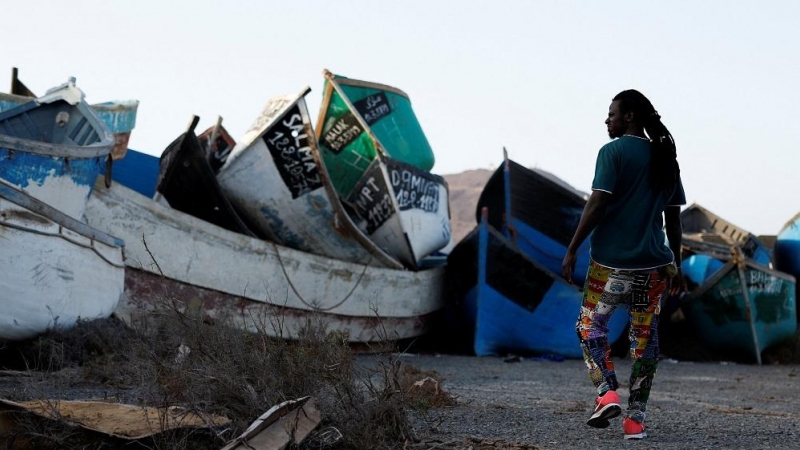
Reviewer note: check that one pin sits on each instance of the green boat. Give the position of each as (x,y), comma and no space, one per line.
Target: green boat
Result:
(378,161)
(743,308)
(359,120)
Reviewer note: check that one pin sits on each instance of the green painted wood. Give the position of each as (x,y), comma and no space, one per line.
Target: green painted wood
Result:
(361,119)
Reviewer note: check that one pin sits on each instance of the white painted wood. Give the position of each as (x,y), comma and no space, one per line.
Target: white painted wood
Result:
(314,221)
(50,276)
(192,251)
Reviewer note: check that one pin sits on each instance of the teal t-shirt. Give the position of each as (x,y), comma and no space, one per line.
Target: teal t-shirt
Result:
(630,235)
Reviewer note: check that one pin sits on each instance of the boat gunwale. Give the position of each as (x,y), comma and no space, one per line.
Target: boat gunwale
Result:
(172,217)
(725,269)
(369,85)
(19,198)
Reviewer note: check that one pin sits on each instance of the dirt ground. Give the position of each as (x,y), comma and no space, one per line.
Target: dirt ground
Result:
(544,405)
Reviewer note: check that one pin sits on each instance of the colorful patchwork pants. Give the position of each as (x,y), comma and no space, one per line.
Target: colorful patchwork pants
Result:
(640,291)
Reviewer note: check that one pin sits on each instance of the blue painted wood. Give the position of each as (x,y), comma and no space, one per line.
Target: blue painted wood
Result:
(787,248)
(137,171)
(718,309)
(514,304)
(54,147)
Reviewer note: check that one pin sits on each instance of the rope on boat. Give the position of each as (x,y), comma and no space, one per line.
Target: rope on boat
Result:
(90,246)
(311,304)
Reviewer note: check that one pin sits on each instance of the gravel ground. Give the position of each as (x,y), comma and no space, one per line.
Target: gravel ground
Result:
(545,404)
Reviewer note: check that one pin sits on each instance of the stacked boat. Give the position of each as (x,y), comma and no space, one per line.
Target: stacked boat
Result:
(258,233)
(504,279)
(55,268)
(738,303)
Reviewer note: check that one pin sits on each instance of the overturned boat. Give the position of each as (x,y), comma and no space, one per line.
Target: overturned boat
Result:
(256,284)
(274,177)
(378,160)
(54,270)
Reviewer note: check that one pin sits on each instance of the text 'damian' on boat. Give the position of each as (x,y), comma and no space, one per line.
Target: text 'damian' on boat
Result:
(378,161)
(274,177)
(54,270)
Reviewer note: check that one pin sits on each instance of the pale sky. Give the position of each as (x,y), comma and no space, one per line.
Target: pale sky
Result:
(534,76)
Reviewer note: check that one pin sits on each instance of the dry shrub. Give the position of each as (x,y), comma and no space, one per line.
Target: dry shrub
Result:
(423,389)
(171,358)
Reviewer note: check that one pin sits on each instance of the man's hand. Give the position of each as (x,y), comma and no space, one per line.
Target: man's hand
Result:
(568,266)
(677,284)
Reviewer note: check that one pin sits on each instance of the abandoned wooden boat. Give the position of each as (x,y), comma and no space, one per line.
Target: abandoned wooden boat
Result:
(187,182)
(504,301)
(355,113)
(706,232)
(54,270)
(737,302)
(740,306)
(274,178)
(119,116)
(53,148)
(257,284)
(378,161)
(538,211)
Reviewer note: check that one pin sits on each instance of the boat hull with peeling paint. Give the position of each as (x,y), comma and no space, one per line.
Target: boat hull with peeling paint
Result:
(256,284)
(54,270)
(274,177)
(378,160)
(53,148)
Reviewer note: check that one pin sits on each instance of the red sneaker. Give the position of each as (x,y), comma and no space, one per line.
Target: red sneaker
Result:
(605,407)
(633,429)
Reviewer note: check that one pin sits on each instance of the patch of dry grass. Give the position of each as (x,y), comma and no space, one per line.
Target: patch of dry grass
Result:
(174,359)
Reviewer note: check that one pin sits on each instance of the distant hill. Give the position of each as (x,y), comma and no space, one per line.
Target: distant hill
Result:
(465,189)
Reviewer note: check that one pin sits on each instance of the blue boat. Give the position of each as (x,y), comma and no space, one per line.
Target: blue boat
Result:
(740,307)
(509,303)
(538,211)
(53,148)
(119,116)
(505,277)
(708,233)
(737,303)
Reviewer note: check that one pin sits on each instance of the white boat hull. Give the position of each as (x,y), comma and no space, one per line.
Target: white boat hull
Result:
(404,210)
(52,276)
(274,178)
(265,275)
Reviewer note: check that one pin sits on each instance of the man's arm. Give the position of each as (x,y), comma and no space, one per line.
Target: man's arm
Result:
(672,222)
(592,214)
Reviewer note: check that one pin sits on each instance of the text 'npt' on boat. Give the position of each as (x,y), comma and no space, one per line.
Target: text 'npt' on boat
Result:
(378,161)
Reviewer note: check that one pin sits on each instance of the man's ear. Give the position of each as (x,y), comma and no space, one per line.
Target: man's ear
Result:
(629,116)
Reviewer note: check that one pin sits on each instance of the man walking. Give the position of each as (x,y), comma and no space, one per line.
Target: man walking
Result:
(636,182)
